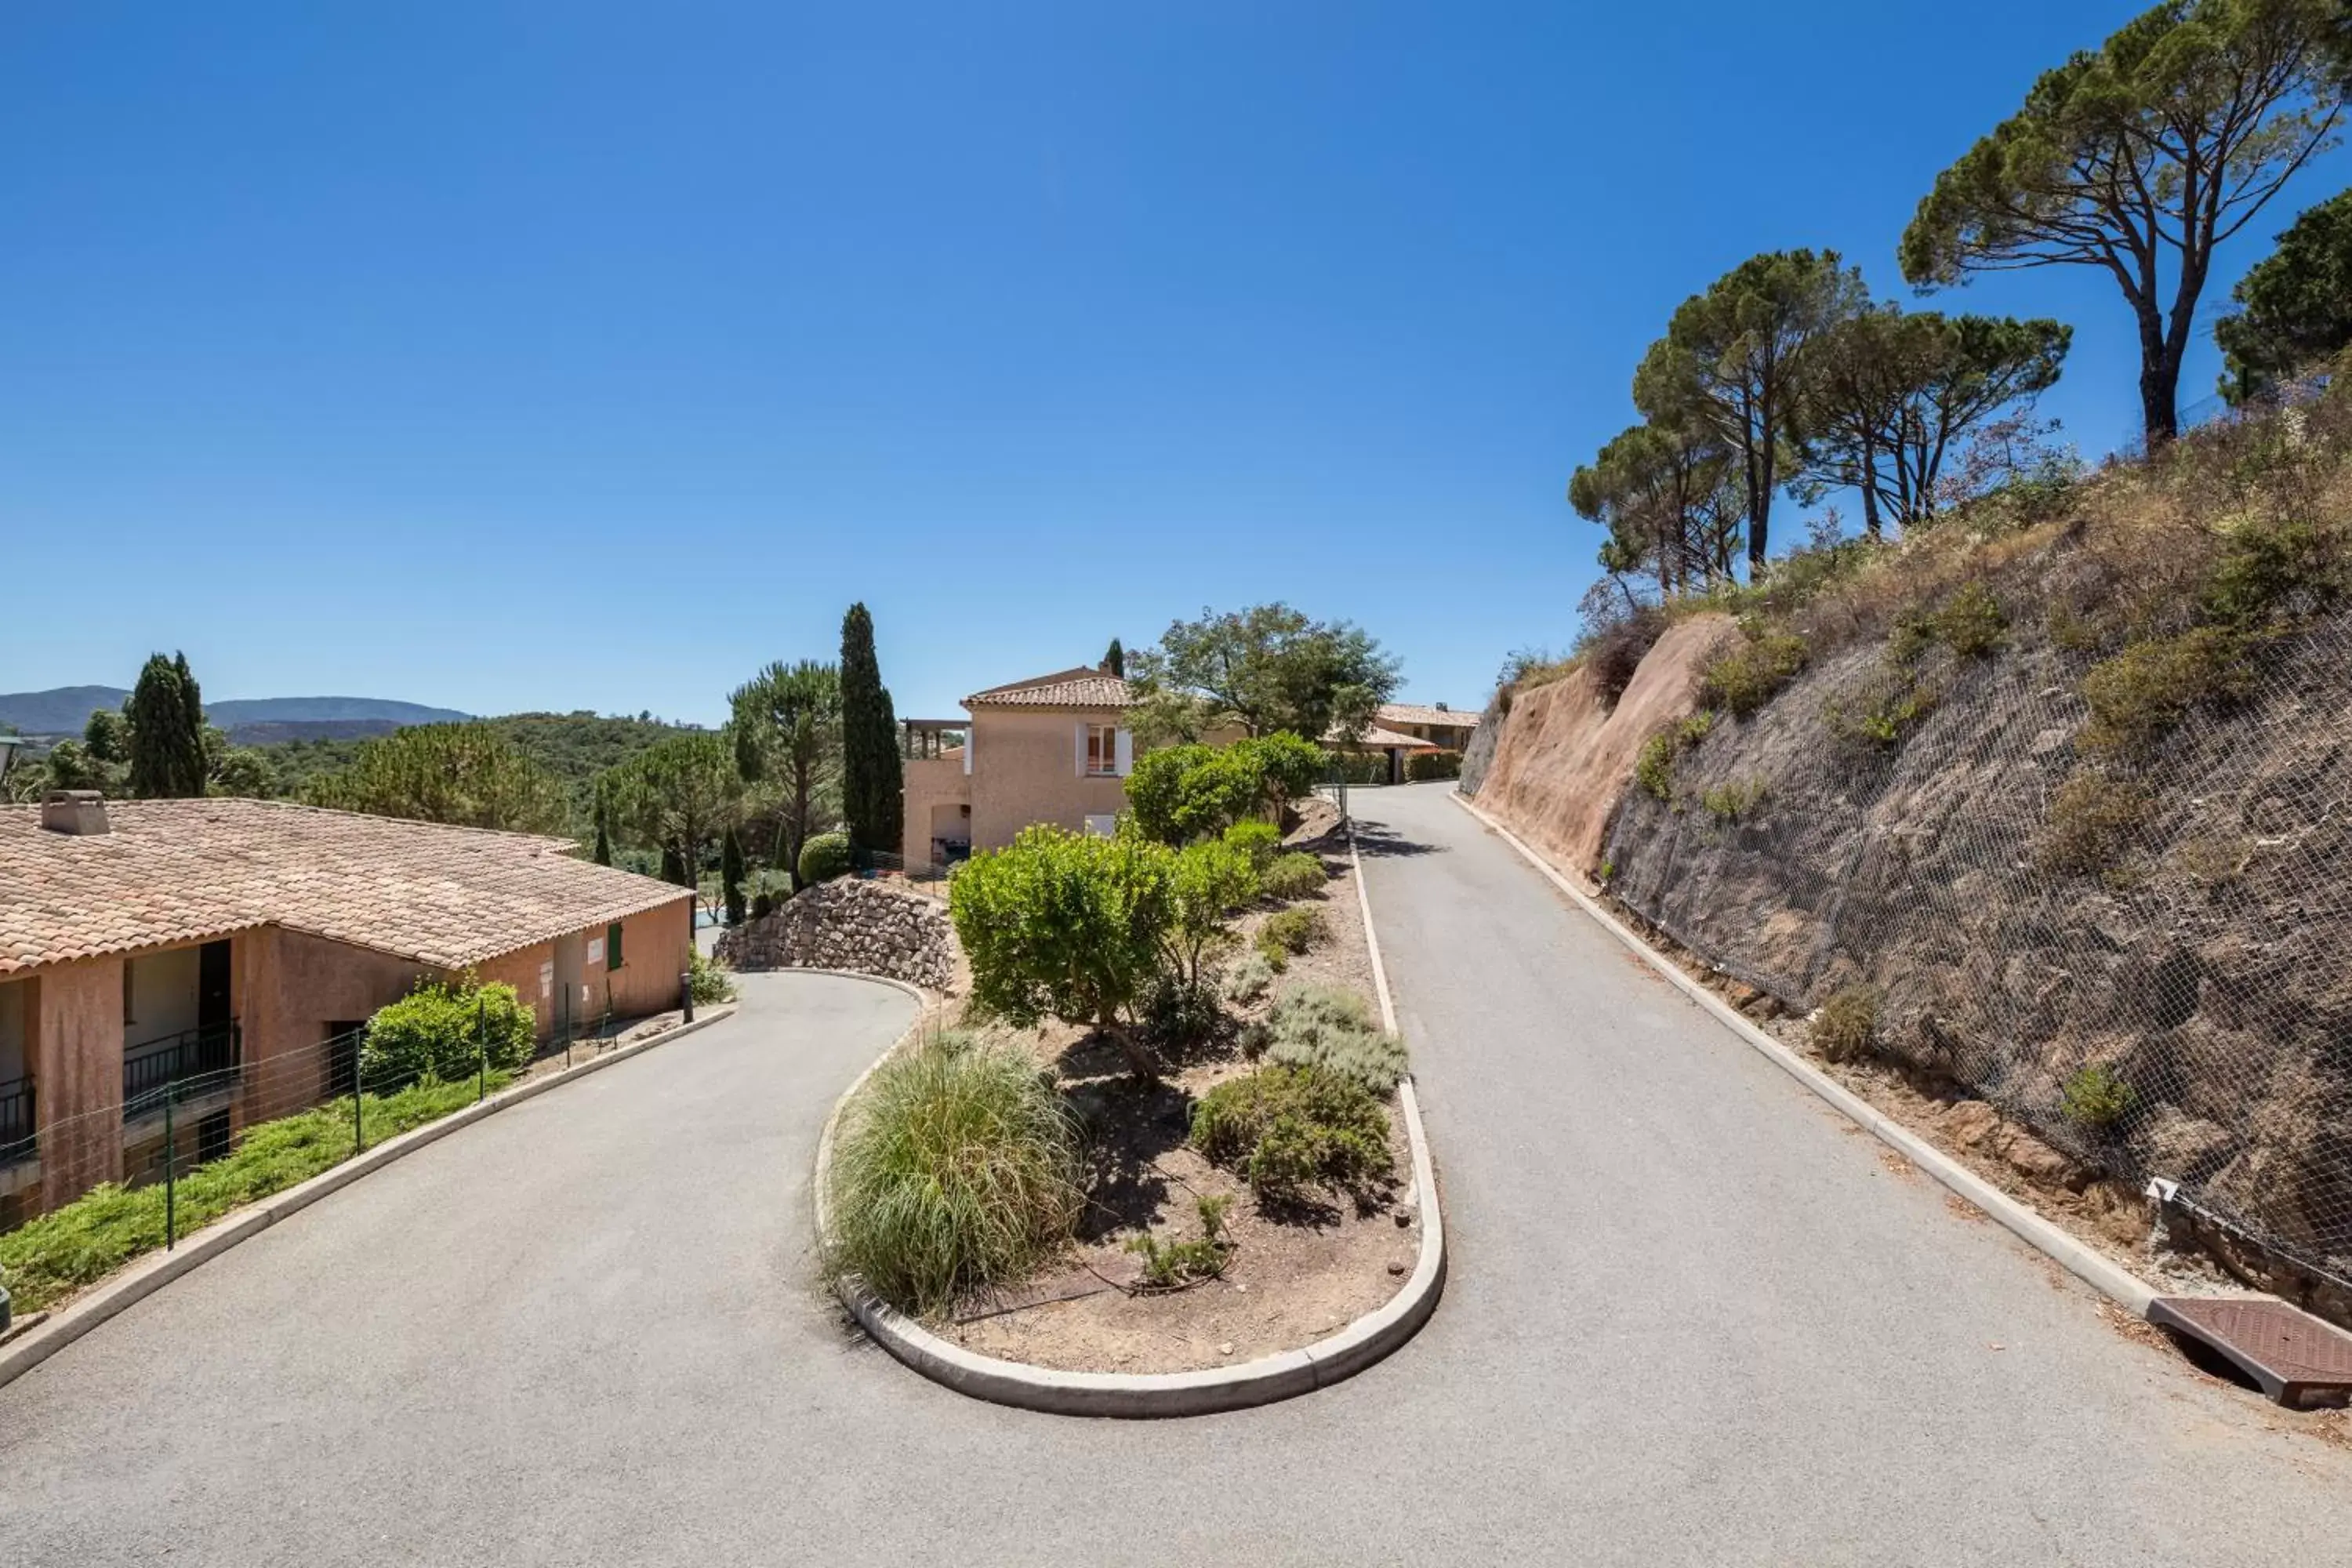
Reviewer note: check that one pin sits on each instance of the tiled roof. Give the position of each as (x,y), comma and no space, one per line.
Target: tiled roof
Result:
(1085,686)
(1376,736)
(183,870)
(1411,713)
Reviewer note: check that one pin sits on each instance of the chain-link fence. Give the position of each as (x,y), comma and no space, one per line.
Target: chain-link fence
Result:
(2139,952)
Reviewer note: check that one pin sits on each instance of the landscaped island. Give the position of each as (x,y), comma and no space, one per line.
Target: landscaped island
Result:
(1165,1135)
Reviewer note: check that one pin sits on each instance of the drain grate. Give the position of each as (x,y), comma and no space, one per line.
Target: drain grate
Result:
(2290,1352)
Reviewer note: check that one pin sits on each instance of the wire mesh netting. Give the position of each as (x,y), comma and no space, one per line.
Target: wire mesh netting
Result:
(2137,951)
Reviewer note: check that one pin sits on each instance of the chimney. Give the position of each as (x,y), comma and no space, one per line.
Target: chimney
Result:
(80,812)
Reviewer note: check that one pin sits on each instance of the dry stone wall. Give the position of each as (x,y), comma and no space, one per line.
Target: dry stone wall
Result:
(848,923)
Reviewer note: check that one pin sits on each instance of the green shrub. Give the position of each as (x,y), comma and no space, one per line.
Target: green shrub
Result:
(1847,1024)
(2092,824)
(1293,931)
(1422,765)
(1362,767)
(710,982)
(1066,925)
(446,1032)
(1654,770)
(1735,801)
(1177,1014)
(1179,794)
(1294,875)
(1286,766)
(1248,979)
(1883,710)
(1751,675)
(76,1245)
(2143,693)
(824,857)
(1288,1130)
(2096,1097)
(1332,1031)
(956,1168)
(1972,624)
(1167,1264)
(2270,569)
(1208,882)
(1261,841)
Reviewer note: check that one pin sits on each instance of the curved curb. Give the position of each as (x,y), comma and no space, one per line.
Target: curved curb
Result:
(1144,1396)
(143,1279)
(2078,1257)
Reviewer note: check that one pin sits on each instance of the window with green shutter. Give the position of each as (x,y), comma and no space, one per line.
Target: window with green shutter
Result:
(613,945)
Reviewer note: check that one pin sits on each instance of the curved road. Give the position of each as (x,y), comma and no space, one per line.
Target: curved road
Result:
(1693,1319)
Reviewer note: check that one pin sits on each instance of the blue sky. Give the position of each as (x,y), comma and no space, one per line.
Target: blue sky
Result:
(587,356)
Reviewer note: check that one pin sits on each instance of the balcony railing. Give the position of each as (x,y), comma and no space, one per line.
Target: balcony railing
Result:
(179,1066)
(16,1136)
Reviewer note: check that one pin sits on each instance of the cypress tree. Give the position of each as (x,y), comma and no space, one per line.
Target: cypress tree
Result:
(873,784)
(1115,659)
(167,731)
(730,876)
(604,842)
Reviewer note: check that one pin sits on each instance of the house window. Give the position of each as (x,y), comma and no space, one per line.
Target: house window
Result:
(613,945)
(1102,751)
(1102,824)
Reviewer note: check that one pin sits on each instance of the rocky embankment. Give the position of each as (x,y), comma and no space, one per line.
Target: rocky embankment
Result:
(848,923)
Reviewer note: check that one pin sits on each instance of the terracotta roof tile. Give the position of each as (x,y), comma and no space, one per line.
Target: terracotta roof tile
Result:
(1085,686)
(184,870)
(1414,713)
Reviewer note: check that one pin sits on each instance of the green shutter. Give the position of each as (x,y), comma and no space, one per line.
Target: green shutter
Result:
(613,945)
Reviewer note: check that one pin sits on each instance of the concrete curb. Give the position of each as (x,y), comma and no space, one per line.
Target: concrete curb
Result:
(150,1273)
(2079,1258)
(1145,1395)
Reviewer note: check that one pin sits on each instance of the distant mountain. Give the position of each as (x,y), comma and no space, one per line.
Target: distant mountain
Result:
(64,711)
(273,732)
(59,713)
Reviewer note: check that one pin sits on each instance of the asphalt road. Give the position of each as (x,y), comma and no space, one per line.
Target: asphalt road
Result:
(1693,1319)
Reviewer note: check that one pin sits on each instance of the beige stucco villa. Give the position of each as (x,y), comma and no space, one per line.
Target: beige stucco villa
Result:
(205,951)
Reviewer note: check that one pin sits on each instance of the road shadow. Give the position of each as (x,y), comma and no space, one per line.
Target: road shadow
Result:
(1375,839)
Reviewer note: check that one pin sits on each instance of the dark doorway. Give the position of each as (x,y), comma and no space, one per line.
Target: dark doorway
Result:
(212,985)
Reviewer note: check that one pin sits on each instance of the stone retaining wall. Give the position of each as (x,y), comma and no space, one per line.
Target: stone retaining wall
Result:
(847,923)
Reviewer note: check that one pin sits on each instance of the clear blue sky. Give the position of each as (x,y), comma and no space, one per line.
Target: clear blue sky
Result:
(590,355)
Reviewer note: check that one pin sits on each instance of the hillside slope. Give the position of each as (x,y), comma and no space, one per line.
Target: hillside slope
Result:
(2065,800)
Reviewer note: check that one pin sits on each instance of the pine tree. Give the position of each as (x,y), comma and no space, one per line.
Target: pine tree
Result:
(730,876)
(167,731)
(1115,659)
(873,784)
(673,867)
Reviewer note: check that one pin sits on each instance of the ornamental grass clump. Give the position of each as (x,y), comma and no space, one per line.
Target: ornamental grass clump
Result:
(957,1168)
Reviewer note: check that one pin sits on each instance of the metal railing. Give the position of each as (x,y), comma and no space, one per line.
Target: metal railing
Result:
(198,1060)
(17,1142)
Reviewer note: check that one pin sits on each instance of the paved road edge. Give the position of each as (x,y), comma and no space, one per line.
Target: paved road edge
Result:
(143,1279)
(2076,1257)
(1151,1395)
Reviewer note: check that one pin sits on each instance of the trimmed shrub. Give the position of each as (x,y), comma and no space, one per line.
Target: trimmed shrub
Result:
(1847,1024)
(1294,876)
(824,857)
(2143,693)
(2093,821)
(1293,931)
(1421,766)
(445,1032)
(1289,1129)
(1261,841)
(1332,1031)
(1751,675)
(956,1168)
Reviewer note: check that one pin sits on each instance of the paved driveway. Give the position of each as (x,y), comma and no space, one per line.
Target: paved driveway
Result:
(1692,1320)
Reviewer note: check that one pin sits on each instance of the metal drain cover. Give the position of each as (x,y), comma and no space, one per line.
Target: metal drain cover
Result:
(2291,1353)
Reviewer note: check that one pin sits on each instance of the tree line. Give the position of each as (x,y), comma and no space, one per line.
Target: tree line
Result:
(2137,159)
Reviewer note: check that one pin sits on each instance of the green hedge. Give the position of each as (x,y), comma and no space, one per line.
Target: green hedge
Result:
(445,1032)
(1422,765)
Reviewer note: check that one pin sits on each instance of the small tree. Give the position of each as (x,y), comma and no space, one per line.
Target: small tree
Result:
(2293,308)
(468,776)
(787,728)
(730,876)
(1208,882)
(678,796)
(1113,659)
(1267,667)
(872,776)
(1287,767)
(2139,158)
(1065,925)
